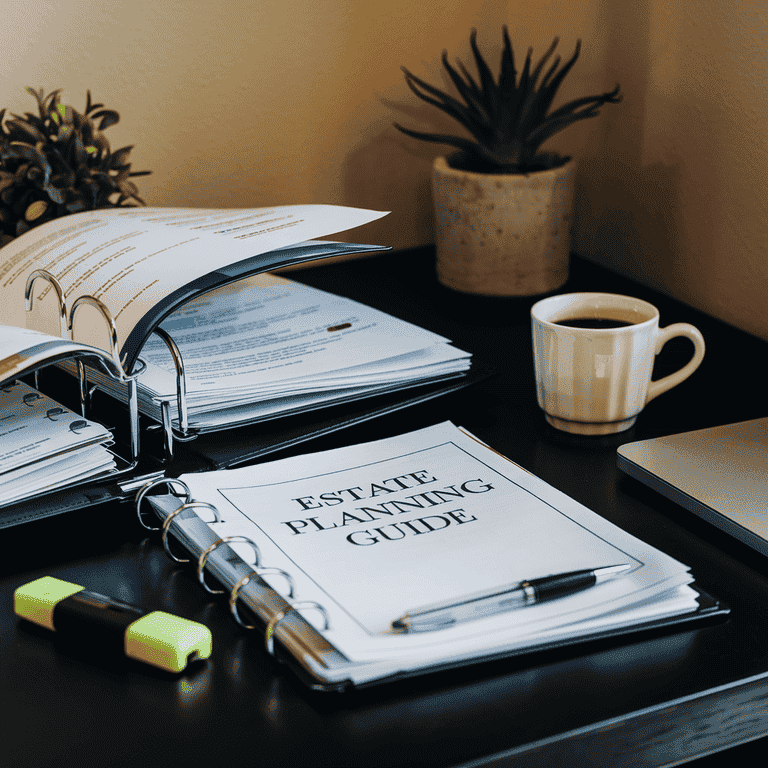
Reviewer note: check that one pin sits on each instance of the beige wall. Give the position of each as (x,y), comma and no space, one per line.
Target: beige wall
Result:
(678,195)
(246,103)
(251,102)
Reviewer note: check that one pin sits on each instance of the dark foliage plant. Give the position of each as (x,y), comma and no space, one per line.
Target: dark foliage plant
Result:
(57,162)
(510,117)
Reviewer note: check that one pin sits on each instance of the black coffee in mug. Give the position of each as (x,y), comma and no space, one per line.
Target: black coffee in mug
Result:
(592,322)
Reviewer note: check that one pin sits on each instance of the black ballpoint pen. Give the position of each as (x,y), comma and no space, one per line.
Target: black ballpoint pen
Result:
(502,599)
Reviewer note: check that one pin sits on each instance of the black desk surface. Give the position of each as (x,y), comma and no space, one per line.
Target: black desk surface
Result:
(655,701)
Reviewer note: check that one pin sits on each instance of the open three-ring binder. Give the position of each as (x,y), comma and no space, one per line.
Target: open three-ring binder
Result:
(323,589)
(134,286)
(27,355)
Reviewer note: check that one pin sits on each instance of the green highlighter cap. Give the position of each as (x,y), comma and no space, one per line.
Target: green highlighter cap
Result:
(35,601)
(158,638)
(167,641)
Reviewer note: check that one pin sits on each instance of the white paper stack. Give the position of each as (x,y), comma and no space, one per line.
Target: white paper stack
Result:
(44,446)
(267,345)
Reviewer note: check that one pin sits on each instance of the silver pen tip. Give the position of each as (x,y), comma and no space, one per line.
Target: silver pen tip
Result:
(610,570)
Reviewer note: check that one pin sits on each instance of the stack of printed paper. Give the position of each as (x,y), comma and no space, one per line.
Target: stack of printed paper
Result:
(44,446)
(266,345)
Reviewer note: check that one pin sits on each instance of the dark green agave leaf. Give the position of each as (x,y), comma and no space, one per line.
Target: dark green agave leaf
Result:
(508,117)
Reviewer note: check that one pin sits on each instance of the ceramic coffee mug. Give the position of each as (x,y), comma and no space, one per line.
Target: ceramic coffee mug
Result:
(593,356)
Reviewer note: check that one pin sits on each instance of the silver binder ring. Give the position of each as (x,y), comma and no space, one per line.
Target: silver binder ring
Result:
(278,572)
(102,308)
(203,559)
(56,285)
(235,593)
(269,635)
(181,387)
(153,484)
(168,520)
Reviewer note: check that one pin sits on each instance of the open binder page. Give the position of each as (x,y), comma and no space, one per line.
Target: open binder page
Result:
(49,450)
(44,445)
(56,472)
(33,426)
(374,531)
(22,350)
(267,345)
(141,262)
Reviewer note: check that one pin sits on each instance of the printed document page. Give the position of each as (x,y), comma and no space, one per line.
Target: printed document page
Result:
(131,258)
(44,445)
(14,341)
(267,335)
(267,345)
(378,530)
(21,349)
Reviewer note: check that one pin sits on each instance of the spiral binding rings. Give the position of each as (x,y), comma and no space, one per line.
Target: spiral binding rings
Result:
(235,593)
(269,635)
(168,520)
(204,558)
(153,484)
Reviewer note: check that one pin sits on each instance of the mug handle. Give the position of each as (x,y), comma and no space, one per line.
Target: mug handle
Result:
(665,334)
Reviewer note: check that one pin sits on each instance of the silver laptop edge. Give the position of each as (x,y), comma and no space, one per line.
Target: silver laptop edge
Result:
(719,474)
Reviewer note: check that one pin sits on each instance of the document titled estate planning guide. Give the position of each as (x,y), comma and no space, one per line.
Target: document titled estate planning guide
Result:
(374,531)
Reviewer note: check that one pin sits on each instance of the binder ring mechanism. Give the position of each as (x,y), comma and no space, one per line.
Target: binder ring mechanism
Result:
(183,508)
(169,434)
(203,559)
(170,482)
(109,359)
(256,569)
(67,320)
(235,593)
(269,635)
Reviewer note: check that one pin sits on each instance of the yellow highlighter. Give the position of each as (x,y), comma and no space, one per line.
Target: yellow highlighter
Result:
(158,638)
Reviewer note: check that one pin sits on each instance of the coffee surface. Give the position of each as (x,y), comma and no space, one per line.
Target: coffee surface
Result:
(592,322)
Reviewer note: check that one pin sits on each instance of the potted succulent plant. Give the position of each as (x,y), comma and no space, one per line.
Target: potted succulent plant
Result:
(58,162)
(502,206)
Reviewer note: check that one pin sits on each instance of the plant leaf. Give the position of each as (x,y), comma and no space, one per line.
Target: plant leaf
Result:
(56,194)
(101,143)
(477,127)
(21,130)
(554,125)
(527,113)
(437,138)
(467,89)
(551,84)
(611,97)
(487,83)
(119,158)
(507,72)
(108,118)
(66,115)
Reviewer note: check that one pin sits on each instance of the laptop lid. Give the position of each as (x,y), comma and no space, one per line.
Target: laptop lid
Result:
(720,474)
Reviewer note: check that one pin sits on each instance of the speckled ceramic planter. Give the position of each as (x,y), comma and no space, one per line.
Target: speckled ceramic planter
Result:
(502,235)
